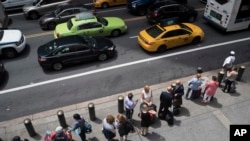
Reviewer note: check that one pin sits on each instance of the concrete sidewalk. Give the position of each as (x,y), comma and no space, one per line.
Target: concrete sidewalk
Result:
(196,121)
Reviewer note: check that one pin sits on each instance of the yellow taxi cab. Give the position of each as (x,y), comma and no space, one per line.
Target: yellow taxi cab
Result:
(108,3)
(159,38)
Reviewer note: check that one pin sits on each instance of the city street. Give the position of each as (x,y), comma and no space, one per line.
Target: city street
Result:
(28,89)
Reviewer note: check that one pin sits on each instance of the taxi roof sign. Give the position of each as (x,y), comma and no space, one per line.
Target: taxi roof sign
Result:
(84,16)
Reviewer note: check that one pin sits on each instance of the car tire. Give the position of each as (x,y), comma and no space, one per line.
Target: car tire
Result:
(196,40)
(191,19)
(105,5)
(33,15)
(161,49)
(9,53)
(57,66)
(51,25)
(115,33)
(102,57)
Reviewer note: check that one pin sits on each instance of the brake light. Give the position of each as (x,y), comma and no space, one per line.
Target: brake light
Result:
(149,43)
(42,59)
(155,14)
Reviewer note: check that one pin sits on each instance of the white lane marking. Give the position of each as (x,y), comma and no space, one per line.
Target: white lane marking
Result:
(118,66)
(133,37)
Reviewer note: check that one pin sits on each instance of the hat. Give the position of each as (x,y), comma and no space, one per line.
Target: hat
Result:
(59,129)
(232,53)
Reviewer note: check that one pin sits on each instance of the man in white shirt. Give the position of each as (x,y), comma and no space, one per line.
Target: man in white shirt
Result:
(228,63)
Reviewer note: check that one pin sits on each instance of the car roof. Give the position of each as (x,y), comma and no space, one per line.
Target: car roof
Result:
(158,4)
(69,40)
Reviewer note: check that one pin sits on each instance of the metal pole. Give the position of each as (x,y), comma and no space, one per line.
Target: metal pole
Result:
(120,104)
(91,108)
(61,119)
(240,72)
(220,77)
(29,127)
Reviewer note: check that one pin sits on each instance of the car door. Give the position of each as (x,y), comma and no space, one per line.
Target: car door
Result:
(83,29)
(175,38)
(170,11)
(96,29)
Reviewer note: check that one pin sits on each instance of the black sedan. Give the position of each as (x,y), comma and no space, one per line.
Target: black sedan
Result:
(162,11)
(74,49)
(62,14)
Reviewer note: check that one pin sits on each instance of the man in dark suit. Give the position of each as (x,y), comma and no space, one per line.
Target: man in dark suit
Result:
(165,99)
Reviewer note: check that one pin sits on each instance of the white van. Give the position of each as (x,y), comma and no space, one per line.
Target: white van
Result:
(15,4)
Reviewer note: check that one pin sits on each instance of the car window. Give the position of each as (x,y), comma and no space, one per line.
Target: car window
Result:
(95,25)
(183,26)
(67,12)
(65,50)
(84,26)
(169,34)
(102,20)
(77,11)
(182,8)
(154,31)
(69,24)
(81,48)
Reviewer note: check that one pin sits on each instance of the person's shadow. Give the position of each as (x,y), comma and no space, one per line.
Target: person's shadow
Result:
(155,137)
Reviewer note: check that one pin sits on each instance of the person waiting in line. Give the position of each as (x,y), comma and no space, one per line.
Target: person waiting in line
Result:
(60,135)
(145,119)
(228,62)
(109,129)
(130,104)
(195,85)
(230,79)
(210,89)
(178,92)
(123,127)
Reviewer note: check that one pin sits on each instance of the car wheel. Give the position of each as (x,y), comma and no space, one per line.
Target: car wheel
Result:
(105,5)
(191,19)
(33,15)
(51,25)
(196,40)
(161,49)
(9,53)
(102,57)
(57,66)
(115,33)
(141,11)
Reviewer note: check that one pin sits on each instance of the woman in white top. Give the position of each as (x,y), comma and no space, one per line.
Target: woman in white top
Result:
(147,96)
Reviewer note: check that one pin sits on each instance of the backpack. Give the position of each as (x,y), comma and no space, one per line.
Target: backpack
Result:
(61,137)
(88,127)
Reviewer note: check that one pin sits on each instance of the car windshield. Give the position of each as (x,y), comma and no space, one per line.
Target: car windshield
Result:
(1,34)
(35,2)
(186,27)
(154,31)
(48,48)
(102,20)
(90,41)
(69,24)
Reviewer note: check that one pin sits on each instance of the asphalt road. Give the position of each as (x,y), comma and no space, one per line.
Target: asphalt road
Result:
(28,89)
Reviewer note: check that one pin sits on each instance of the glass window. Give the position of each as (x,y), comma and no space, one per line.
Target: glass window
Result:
(84,26)
(154,31)
(66,13)
(221,1)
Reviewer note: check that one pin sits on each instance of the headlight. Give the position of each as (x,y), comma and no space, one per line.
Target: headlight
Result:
(111,48)
(134,5)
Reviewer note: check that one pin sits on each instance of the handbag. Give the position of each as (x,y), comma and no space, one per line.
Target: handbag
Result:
(78,131)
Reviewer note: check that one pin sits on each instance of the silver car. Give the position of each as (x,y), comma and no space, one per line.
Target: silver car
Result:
(41,7)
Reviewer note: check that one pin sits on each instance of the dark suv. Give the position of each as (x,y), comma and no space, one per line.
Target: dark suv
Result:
(139,7)
(159,12)
(62,14)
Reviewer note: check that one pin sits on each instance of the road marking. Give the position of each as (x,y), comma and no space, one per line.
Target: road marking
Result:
(133,37)
(118,66)
(222,118)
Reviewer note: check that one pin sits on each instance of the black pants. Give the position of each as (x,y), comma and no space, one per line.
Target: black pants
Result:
(129,113)
(82,136)
(228,85)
